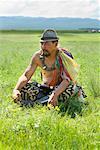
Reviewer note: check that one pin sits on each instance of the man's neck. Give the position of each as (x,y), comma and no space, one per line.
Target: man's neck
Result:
(53,54)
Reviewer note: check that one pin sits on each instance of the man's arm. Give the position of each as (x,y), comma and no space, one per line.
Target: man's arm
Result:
(62,86)
(53,97)
(25,77)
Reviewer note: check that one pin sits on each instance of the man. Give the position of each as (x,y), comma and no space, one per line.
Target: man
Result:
(56,83)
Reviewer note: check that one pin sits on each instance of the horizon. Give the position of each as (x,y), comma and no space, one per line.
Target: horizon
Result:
(53,17)
(60,23)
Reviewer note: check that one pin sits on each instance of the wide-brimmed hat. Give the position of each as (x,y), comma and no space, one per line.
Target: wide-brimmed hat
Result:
(49,35)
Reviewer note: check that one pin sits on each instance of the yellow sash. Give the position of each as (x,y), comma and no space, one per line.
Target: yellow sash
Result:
(70,65)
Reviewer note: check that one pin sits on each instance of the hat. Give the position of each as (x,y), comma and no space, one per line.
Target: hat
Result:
(49,35)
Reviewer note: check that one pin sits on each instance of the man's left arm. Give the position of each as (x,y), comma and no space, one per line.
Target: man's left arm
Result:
(62,86)
(57,91)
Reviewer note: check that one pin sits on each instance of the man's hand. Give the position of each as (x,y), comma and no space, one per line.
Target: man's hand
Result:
(16,95)
(53,99)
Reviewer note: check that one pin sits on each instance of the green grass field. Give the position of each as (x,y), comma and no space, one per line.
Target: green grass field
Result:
(39,128)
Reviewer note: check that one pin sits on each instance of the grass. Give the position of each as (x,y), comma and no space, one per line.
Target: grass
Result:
(39,128)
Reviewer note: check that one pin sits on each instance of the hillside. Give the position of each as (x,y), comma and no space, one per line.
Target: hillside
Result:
(25,23)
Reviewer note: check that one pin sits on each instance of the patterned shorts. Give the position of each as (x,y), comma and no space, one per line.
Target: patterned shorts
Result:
(36,93)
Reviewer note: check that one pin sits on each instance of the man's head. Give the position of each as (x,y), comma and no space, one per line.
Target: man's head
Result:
(49,41)
(49,35)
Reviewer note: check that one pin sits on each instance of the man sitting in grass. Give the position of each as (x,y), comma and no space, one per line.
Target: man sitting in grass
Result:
(58,70)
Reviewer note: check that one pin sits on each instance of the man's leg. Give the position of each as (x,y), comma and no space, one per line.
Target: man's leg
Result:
(70,91)
(34,92)
(70,100)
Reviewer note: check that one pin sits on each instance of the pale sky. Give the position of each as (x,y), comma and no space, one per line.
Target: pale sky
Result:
(53,8)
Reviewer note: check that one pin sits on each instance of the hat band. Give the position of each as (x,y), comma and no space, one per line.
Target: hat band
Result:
(49,38)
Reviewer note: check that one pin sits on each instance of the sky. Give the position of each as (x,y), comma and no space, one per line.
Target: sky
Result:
(50,9)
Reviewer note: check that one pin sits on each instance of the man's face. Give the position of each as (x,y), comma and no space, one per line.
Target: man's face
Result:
(48,47)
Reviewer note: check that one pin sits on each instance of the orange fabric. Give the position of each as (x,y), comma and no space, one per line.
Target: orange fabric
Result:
(55,79)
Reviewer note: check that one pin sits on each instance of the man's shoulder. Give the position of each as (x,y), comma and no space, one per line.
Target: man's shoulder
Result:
(36,56)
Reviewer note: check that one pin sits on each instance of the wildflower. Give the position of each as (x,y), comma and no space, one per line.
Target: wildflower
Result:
(36,125)
(57,108)
(50,106)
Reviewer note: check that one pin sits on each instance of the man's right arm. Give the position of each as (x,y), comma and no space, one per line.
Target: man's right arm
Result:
(25,77)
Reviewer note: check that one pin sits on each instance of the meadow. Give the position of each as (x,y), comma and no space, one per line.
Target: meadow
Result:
(39,128)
